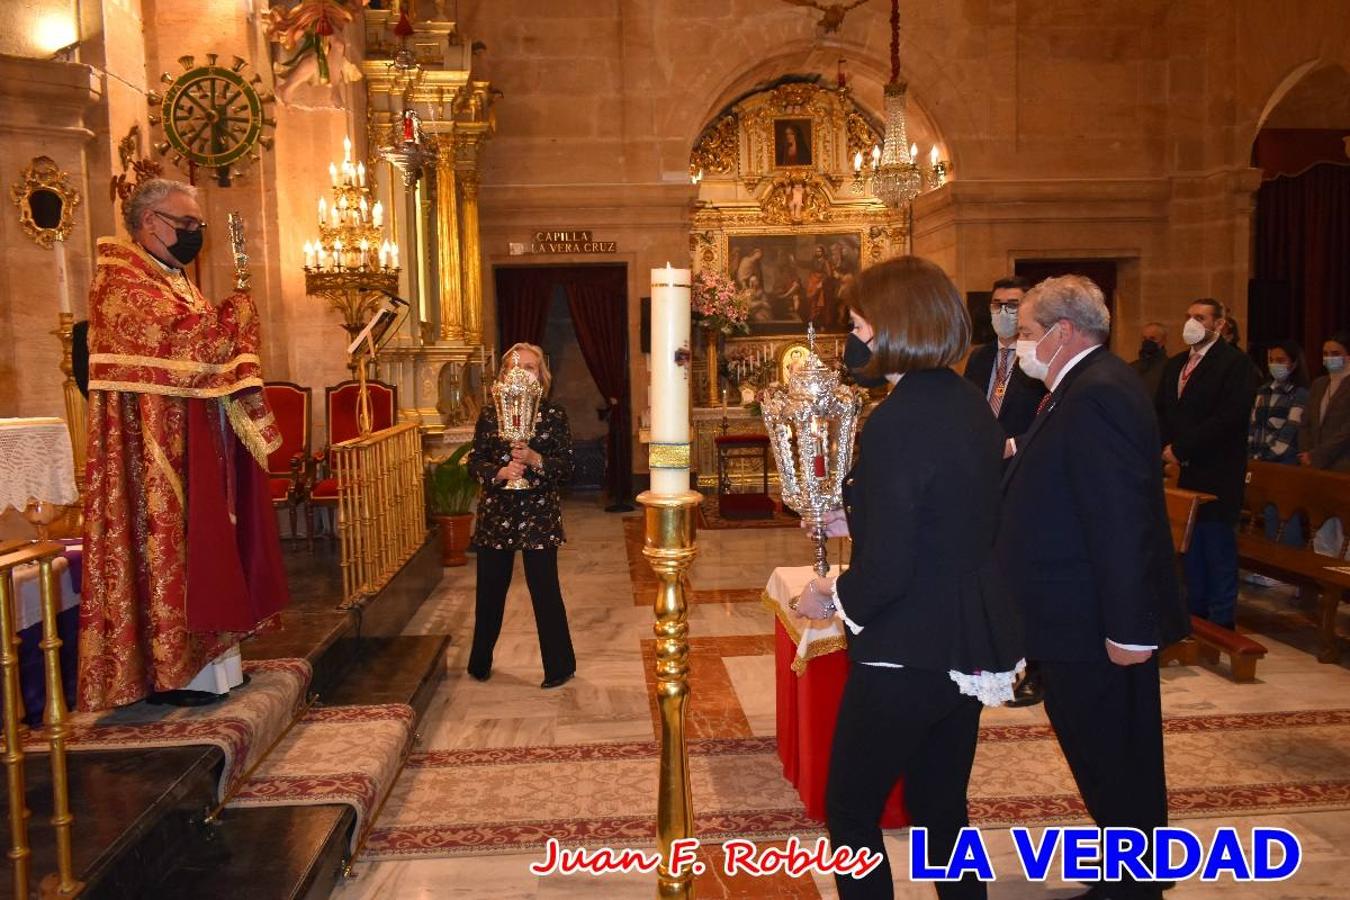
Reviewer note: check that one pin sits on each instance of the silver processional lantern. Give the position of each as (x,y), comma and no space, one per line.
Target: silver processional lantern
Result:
(811,422)
(517,397)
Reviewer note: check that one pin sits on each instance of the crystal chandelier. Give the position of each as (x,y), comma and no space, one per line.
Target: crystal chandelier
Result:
(895,174)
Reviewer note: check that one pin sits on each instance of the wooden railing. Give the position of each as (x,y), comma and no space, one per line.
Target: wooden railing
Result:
(381,510)
(13,554)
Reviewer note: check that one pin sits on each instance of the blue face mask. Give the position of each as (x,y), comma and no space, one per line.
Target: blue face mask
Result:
(1334,364)
(1279,371)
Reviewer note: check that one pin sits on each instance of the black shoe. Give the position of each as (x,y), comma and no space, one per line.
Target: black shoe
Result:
(184,697)
(557,682)
(477,677)
(1027,693)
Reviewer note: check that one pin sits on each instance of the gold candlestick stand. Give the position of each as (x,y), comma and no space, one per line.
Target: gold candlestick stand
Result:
(670,548)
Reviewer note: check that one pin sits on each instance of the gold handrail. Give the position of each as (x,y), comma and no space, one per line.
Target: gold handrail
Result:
(381,506)
(61,883)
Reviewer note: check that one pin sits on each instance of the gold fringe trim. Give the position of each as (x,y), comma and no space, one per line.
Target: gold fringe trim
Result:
(792,625)
(249,432)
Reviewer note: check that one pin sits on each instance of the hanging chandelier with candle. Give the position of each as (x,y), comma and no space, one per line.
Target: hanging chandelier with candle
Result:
(894,173)
(352,263)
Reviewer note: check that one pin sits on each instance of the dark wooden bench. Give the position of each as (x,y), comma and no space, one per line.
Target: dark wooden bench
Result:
(1207,640)
(1313,496)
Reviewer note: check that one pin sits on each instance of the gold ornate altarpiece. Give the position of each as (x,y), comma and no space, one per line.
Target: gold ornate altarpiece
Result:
(439,363)
(747,188)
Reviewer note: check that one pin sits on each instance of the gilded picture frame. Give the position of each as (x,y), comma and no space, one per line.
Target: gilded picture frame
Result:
(795,277)
(46,201)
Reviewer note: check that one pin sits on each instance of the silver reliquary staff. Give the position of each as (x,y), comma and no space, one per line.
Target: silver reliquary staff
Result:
(517,397)
(811,422)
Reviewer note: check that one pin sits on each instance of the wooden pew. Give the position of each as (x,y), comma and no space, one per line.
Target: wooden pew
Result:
(1313,496)
(1207,640)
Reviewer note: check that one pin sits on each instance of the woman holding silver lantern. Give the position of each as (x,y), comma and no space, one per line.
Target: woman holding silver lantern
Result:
(519,509)
(932,636)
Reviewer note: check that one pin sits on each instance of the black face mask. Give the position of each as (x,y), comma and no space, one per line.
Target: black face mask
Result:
(187,245)
(1149,349)
(856,356)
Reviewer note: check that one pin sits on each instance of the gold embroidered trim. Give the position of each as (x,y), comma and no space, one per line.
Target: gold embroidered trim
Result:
(814,649)
(249,432)
(167,390)
(161,460)
(173,365)
(668,456)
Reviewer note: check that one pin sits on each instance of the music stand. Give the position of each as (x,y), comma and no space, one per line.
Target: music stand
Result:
(383,325)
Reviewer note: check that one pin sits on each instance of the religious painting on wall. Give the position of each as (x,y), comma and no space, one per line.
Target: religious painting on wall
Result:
(792,142)
(793,279)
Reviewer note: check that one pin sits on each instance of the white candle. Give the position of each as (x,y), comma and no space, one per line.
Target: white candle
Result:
(393,255)
(62,277)
(857,161)
(309,255)
(332,174)
(323,211)
(365,252)
(347,149)
(933,157)
(365,208)
(360,174)
(384,255)
(670,380)
(323,256)
(913,152)
(337,253)
(377,214)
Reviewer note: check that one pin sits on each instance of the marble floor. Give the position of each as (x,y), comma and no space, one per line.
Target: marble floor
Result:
(608,607)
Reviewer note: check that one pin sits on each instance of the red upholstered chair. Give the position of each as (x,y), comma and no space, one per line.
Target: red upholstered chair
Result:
(340,406)
(286,465)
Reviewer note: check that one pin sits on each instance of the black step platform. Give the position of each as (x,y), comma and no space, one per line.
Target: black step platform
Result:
(138,828)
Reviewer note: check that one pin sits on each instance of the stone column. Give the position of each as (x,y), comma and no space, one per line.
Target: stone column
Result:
(449,261)
(472,259)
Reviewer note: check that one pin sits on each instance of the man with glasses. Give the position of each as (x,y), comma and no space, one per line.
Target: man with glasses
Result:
(1013,397)
(177,568)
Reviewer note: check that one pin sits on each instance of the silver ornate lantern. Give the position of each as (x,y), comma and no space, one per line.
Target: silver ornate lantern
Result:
(811,421)
(517,397)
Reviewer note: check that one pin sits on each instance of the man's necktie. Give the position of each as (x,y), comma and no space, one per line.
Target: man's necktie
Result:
(1187,370)
(1001,373)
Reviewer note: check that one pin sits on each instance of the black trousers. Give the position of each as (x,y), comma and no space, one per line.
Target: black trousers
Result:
(901,723)
(1109,722)
(550,617)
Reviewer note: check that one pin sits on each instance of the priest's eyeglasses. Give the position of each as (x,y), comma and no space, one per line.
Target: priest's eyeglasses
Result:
(187,223)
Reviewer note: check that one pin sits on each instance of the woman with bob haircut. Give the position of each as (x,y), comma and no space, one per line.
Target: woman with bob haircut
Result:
(526,520)
(932,636)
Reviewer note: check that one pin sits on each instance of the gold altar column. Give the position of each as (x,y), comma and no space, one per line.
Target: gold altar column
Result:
(473,259)
(449,261)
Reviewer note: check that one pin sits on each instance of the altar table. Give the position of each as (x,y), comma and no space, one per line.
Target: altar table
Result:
(811,665)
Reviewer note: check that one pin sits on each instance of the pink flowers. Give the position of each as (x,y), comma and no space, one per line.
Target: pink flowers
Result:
(719,305)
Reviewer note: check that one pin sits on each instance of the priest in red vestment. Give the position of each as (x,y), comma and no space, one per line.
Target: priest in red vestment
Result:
(181,552)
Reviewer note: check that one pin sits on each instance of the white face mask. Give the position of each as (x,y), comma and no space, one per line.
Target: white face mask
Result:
(1193,332)
(1334,364)
(1005,322)
(1279,371)
(1026,357)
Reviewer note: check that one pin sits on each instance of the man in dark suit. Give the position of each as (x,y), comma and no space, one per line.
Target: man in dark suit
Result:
(1152,356)
(1204,403)
(1013,396)
(1084,545)
(993,368)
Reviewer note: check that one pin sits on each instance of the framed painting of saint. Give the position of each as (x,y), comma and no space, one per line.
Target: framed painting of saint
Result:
(795,279)
(792,142)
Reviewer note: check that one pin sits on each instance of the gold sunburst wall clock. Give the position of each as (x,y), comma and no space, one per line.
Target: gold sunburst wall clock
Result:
(213,116)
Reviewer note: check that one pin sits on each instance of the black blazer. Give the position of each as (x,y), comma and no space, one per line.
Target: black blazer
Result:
(1083,538)
(1207,425)
(922,506)
(1024,392)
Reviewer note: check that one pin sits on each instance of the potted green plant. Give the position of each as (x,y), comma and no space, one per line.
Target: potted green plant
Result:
(451,494)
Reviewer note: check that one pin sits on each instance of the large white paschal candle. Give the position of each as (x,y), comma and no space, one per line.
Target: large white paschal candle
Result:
(669,448)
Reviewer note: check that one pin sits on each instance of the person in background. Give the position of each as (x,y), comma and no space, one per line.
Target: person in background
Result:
(1231,331)
(932,635)
(1272,434)
(1324,439)
(1152,356)
(1204,404)
(527,520)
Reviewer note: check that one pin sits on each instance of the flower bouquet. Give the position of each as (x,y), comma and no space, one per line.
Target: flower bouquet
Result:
(719,305)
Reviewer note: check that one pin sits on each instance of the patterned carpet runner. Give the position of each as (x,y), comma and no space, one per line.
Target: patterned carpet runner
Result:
(510,800)
(335,755)
(244,726)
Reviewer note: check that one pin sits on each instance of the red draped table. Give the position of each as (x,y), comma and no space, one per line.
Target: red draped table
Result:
(811,665)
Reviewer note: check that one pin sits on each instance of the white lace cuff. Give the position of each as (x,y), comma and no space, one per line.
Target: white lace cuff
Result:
(990,688)
(839,608)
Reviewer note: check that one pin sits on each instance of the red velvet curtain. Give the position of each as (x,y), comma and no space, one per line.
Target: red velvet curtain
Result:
(1302,257)
(598,301)
(523,298)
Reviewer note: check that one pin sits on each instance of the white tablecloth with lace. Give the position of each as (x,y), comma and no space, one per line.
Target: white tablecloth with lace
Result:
(36,463)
